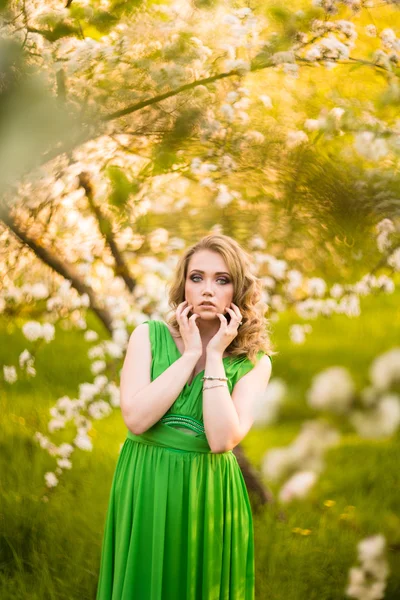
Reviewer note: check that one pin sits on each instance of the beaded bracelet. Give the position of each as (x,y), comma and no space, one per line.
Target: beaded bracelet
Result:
(210,387)
(212,378)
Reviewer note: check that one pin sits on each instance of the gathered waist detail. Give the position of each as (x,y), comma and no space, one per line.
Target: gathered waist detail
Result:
(183,421)
(163,435)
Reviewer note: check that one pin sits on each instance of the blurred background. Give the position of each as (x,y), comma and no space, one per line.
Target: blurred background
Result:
(128,130)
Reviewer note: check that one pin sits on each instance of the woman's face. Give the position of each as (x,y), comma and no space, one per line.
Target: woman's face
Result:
(208,279)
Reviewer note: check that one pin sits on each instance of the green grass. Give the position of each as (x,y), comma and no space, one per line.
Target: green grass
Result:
(52,550)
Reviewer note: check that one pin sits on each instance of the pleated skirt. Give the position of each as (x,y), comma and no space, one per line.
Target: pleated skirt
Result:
(178,526)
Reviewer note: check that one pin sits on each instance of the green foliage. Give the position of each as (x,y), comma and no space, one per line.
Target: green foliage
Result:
(165,154)
(205,4)
(124,7)
(122,187)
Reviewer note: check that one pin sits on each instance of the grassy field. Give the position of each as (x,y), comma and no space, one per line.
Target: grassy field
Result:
(52,550)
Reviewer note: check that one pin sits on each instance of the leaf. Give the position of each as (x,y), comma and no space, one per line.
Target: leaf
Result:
(121,186)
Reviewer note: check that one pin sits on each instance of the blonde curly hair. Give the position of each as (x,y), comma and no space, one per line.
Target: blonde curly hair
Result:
(253,334)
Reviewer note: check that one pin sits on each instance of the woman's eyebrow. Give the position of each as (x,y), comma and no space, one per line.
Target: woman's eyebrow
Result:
(216,272)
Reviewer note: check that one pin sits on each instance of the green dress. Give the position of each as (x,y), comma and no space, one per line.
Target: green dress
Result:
(179,523)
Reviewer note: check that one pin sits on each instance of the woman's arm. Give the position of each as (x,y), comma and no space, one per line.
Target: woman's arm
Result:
(227,419)
(144,402)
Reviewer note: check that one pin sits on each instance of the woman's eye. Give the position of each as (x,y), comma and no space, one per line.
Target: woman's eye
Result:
(193,277)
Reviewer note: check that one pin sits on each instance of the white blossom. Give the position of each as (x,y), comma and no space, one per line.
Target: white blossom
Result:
(394,260)
(64,463)
(269,402)
(257,242)
(368,581)
(385,369)
(350,305)
(297,486)
(51,479)
(239,65)
(96,352)
(48,331)
(304,453)
(39,291)
(381,421)
(32,330)
(295,138)
(314,124)
(370,30)
(55,425)
(336,290)
(266,100)
(333,389)
(83,442)
(99,409)
(316,286)
(113,349)
(65,450)
(10,373)
(97,366)
(224,196)
(87,391)
(370,146)
(297,333)
(277,268)
(24,357)
(114,393)
(90,335)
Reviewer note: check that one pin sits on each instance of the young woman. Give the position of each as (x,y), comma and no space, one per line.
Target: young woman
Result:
(179,523)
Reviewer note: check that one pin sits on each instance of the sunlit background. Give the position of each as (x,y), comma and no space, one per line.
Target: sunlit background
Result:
(128,130)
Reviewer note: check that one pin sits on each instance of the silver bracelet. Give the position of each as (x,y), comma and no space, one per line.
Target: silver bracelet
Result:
(210,387)
(212,378)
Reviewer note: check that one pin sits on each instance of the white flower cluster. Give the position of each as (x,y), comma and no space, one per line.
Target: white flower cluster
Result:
(33,330)
(10,373)
(26,363)
(330,47)
(297,486)
(333,389)
(329,121)
(24,294)
(394,259)
(370,145)
(368,581)
(304,453)
(287,61)
(242,27)
(381,420)
(66,297)
(234,109)
(311,308)
(297,332)
(389,40)
(296,138)
(385,370)
(384,229)
(269,402)
(62,453)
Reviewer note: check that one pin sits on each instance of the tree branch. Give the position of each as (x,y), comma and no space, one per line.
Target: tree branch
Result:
(61,267)
(121,268)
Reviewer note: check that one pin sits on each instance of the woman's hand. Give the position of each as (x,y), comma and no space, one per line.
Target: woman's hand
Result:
(188,329)
(227,331)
